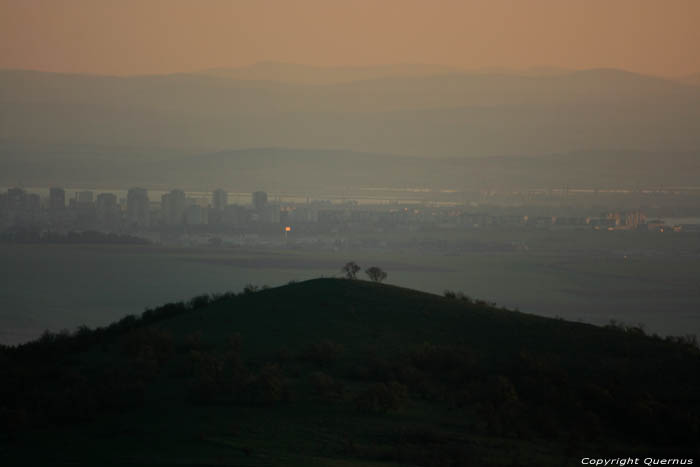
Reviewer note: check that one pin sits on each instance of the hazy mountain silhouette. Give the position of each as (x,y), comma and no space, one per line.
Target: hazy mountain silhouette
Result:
(303,170)
(307,74)
(318,75)
(299,169)
(691,79)
(436,115)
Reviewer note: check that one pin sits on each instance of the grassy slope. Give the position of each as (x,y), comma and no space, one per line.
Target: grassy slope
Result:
(370,321)
(365,316)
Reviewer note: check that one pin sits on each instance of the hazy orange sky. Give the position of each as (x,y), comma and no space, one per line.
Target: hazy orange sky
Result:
(162,36)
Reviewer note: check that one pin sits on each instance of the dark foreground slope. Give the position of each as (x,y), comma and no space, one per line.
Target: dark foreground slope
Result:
(339,372)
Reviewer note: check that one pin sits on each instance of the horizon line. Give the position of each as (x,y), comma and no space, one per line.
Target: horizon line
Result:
(448,69)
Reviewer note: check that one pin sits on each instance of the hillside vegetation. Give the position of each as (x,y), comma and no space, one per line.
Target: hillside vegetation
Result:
(346,372)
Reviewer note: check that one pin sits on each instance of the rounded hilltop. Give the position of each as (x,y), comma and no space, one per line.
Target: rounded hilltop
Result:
(330,371)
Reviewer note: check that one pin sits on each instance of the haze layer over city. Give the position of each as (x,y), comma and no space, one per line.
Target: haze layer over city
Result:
(537,156)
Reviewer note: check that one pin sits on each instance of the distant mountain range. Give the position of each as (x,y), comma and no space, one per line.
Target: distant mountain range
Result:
(691,79)
(307,170)
(306,74)
(422,111)
(611,127)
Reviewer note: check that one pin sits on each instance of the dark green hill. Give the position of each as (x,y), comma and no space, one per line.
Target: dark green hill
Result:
(388,319)
(345,372)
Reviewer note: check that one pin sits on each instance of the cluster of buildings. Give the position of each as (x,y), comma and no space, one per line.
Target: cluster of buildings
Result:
(18,208)
(616,220)
(175,212)
(621,220)
(136,212)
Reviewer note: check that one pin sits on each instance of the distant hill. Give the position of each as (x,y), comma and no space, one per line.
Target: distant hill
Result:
(691,79)
(421,112)
(307,74)
(328,170)
(347,372)
(335,170)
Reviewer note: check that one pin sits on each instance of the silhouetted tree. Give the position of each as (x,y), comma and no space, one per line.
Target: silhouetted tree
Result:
(350,270)
(250,288)
(376,274)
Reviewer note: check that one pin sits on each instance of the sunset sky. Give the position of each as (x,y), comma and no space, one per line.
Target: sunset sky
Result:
(163,36)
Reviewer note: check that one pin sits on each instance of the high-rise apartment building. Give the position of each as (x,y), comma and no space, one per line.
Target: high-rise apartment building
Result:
(138,208)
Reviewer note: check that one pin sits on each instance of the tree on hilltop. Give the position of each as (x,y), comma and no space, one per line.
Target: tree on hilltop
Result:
(376,274)
(350,270)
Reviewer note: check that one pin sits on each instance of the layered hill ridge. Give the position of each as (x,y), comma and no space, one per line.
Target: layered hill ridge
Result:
(333,170)
(307,74)
(433,114)
(445,128)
